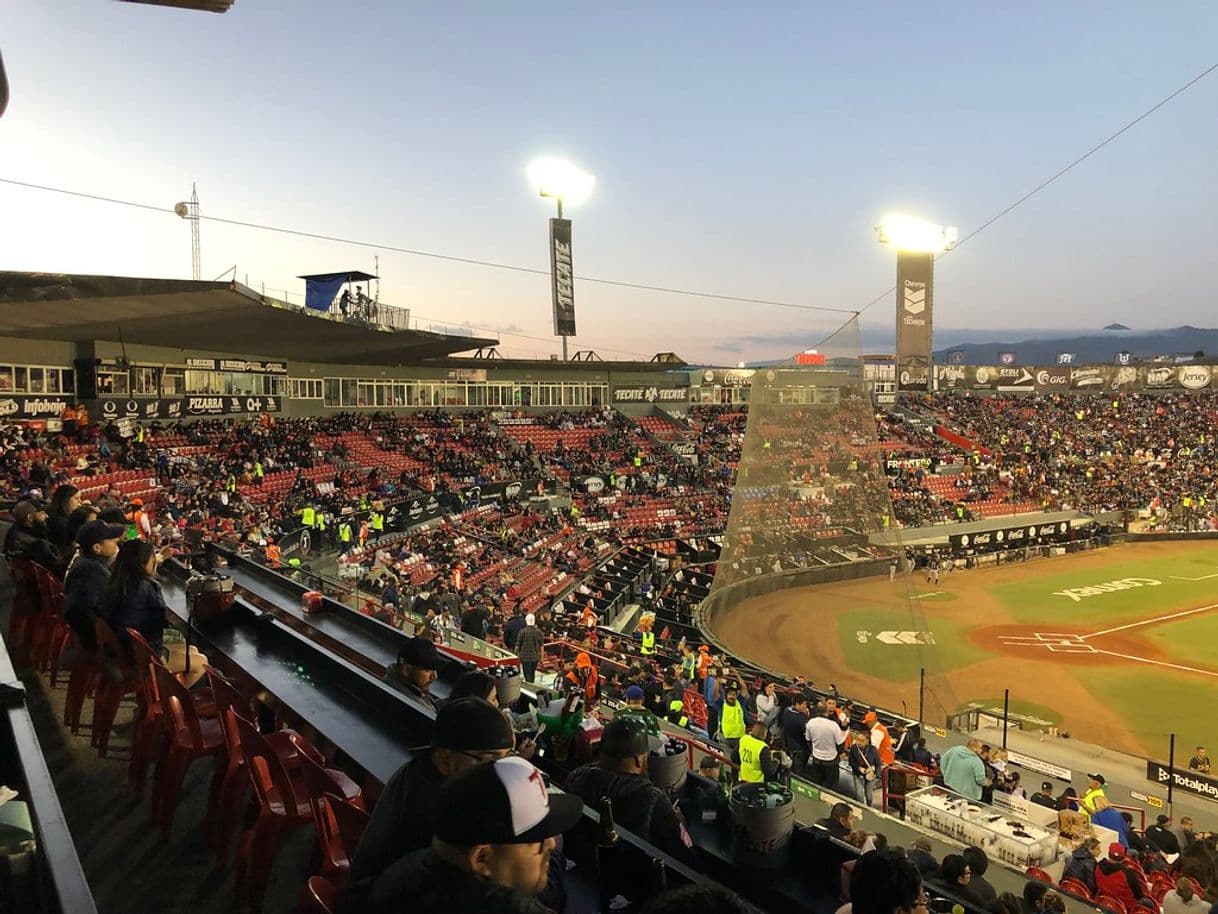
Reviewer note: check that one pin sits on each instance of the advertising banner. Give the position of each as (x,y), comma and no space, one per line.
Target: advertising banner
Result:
(1161,376)
(1011,537)
(1052,379)
(562,277)
(951,377)
(1091,378)
(650,394)
(16,407)
(243,365)
(1190,781)
(915,309)
(1194,377)
(1015,379)
(983,377)
(1129,377)
(118,408)
(913,373)
(228,406)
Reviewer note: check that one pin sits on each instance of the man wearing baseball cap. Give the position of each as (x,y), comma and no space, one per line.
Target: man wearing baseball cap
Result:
(1095,788)
(28,537)
(84,586)
(620,774)
(415,669)
(495,831)
(467,731)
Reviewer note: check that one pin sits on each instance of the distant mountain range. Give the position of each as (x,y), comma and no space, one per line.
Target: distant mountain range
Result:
(1041,346)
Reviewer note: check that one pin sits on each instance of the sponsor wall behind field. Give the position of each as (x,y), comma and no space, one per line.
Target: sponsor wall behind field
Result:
(1059,378)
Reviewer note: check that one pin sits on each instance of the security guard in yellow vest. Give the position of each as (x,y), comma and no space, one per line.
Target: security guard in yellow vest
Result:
(345,533)
(649,643)
(259,472)
(376,520)
(731,718)
(308,516)
(757,763)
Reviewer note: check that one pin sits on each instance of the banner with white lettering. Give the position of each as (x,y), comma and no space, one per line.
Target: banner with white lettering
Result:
(915,305)
(562,277)
(1010,537)
(1190,781)
(16,407)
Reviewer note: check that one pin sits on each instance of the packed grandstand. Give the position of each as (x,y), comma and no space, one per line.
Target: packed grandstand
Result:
(604,531)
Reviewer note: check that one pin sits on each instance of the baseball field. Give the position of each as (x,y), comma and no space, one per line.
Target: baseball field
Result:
(1118,646)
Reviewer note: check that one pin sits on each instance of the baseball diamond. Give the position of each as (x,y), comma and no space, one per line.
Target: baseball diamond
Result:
(1116,643)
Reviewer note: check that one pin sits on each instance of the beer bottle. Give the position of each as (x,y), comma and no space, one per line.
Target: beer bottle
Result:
(606,835)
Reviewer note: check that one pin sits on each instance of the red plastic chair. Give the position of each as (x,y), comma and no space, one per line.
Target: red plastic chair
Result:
(340,825)
(1038,874)
(117,679)
(284,803)
(25,607)
(150,728)
(1107,902)
(1075,887)
(287,744)
(189,737)
(318,896)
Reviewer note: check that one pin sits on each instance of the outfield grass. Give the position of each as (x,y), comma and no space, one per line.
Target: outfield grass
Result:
(1190,640)
(1154,704)
(1034,601)
(902,662)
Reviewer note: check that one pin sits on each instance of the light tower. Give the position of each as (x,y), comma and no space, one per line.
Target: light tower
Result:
(917,243)
(189,210)
(561,181)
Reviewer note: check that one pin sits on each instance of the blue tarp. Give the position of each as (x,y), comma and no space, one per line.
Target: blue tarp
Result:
(320,291)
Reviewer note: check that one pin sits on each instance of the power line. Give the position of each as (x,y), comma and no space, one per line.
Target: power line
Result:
(415,252)
(1062,172)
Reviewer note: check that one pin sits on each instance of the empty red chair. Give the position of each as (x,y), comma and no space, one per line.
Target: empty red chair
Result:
(189,737)
(284,803)
(1038,874)
(340,825)
(150,728)
(287,744)
(318,896)
(1108,903)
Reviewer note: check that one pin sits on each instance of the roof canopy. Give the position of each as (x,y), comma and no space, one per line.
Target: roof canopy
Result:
(212,316)
(346,276)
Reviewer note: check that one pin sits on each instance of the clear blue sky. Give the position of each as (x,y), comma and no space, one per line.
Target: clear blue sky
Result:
(742,148)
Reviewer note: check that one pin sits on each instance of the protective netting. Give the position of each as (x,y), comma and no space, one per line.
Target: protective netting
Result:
(800,587)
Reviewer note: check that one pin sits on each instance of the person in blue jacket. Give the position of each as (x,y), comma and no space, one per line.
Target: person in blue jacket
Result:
(133,596)
(1109,817)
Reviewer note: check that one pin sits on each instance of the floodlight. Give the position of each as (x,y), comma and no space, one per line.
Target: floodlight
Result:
(560,179)
(906,233)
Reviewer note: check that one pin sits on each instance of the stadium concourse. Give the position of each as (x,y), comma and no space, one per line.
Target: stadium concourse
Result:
(371,531)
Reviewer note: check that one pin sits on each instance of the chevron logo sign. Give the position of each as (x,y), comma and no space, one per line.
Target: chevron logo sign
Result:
(915,296)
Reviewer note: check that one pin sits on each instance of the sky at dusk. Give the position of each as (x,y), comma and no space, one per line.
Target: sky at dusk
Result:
(747,149)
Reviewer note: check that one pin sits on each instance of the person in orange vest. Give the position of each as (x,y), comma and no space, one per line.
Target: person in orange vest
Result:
(363,533)
(272,553)
(704,661)
(586,678)
(588,619)
(880,739)
(139,518)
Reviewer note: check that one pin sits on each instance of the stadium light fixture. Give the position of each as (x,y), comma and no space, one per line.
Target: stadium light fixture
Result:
(907,233)
(561,181)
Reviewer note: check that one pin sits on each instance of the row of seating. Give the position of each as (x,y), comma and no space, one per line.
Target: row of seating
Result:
(284,775)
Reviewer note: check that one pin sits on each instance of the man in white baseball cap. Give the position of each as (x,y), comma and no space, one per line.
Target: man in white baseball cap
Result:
(495,830)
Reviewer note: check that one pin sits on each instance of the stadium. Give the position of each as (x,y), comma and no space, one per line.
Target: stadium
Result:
(310,605)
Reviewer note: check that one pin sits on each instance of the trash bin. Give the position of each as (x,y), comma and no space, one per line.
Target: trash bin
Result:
(668,764)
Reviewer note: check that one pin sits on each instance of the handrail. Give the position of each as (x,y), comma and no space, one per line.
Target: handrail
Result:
(56,849)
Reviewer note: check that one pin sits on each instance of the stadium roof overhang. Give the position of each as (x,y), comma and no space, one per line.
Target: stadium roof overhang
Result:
(212,316)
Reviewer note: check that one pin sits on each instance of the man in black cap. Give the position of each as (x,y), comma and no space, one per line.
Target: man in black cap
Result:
(496,826)
(467,731)
(1044,797)
(28,537)
(620,774)
(87,577)
(415,670)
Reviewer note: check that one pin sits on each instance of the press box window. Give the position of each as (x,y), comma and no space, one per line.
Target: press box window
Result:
(112,383)
(146,381)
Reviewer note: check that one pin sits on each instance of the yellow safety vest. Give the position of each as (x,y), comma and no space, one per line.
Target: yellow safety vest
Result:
(649,643)
(378,521)
(676,713)
(750,759)
(1088,799)
(344,533)
(733,721)
(307,516)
